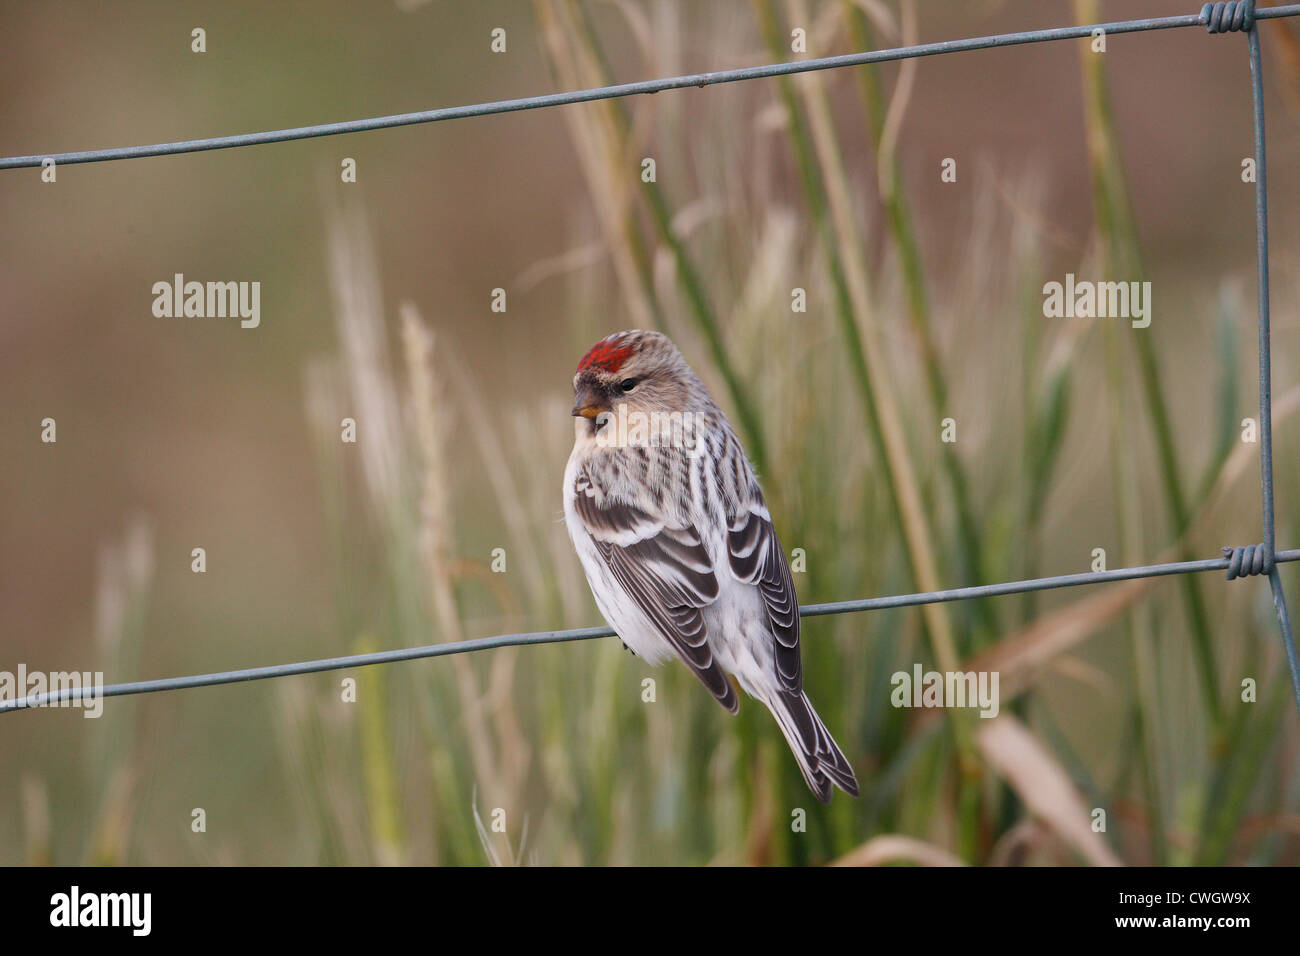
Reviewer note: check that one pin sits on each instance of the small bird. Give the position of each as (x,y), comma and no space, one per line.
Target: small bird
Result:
(678,547)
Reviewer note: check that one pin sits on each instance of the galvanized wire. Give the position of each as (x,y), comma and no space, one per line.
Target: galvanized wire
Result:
(1217,17)
(589,633)
(1265,357)
(625,89)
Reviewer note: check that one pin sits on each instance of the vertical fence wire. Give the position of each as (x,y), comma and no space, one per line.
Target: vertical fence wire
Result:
(1265,361)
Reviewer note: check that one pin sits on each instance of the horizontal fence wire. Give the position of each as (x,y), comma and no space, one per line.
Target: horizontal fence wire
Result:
(627,89)
(589,633)
(1238,562)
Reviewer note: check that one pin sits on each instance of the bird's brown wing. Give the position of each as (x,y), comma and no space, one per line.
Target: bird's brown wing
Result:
(756,558)
(665,570)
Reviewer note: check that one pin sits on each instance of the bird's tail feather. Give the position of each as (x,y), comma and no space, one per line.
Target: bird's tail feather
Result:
(820,758)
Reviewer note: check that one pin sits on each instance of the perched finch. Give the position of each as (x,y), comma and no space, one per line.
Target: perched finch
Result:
(677,544)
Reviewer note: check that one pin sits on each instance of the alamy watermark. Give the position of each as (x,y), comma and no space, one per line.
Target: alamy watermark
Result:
(1098,300)
(626,428)
(208,300)
(921,688)
(83,689)
(133,911)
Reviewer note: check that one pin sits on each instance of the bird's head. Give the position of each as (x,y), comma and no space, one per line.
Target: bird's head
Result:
(632,372)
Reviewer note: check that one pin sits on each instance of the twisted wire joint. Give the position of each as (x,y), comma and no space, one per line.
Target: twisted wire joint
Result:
(1229,17)
(1250,560)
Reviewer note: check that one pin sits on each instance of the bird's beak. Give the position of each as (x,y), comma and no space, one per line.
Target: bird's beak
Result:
(589,404)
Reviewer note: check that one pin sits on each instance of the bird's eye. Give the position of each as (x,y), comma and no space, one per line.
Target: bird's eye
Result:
(627,384)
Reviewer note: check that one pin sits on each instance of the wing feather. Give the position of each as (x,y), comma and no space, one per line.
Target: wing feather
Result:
(756,558)
(666,571)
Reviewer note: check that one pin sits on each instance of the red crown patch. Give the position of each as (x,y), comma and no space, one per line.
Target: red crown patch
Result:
(606,355)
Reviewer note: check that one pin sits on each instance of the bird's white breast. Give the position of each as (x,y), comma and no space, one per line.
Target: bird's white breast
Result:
(618,609)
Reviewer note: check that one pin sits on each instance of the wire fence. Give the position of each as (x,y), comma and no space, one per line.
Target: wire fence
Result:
(1238,561)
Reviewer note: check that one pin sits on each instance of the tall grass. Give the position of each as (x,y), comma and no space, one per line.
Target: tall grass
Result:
(1238,735)
(564,754)
(574,749)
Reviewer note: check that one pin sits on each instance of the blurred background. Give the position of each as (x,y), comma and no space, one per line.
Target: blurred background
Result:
(924,302)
